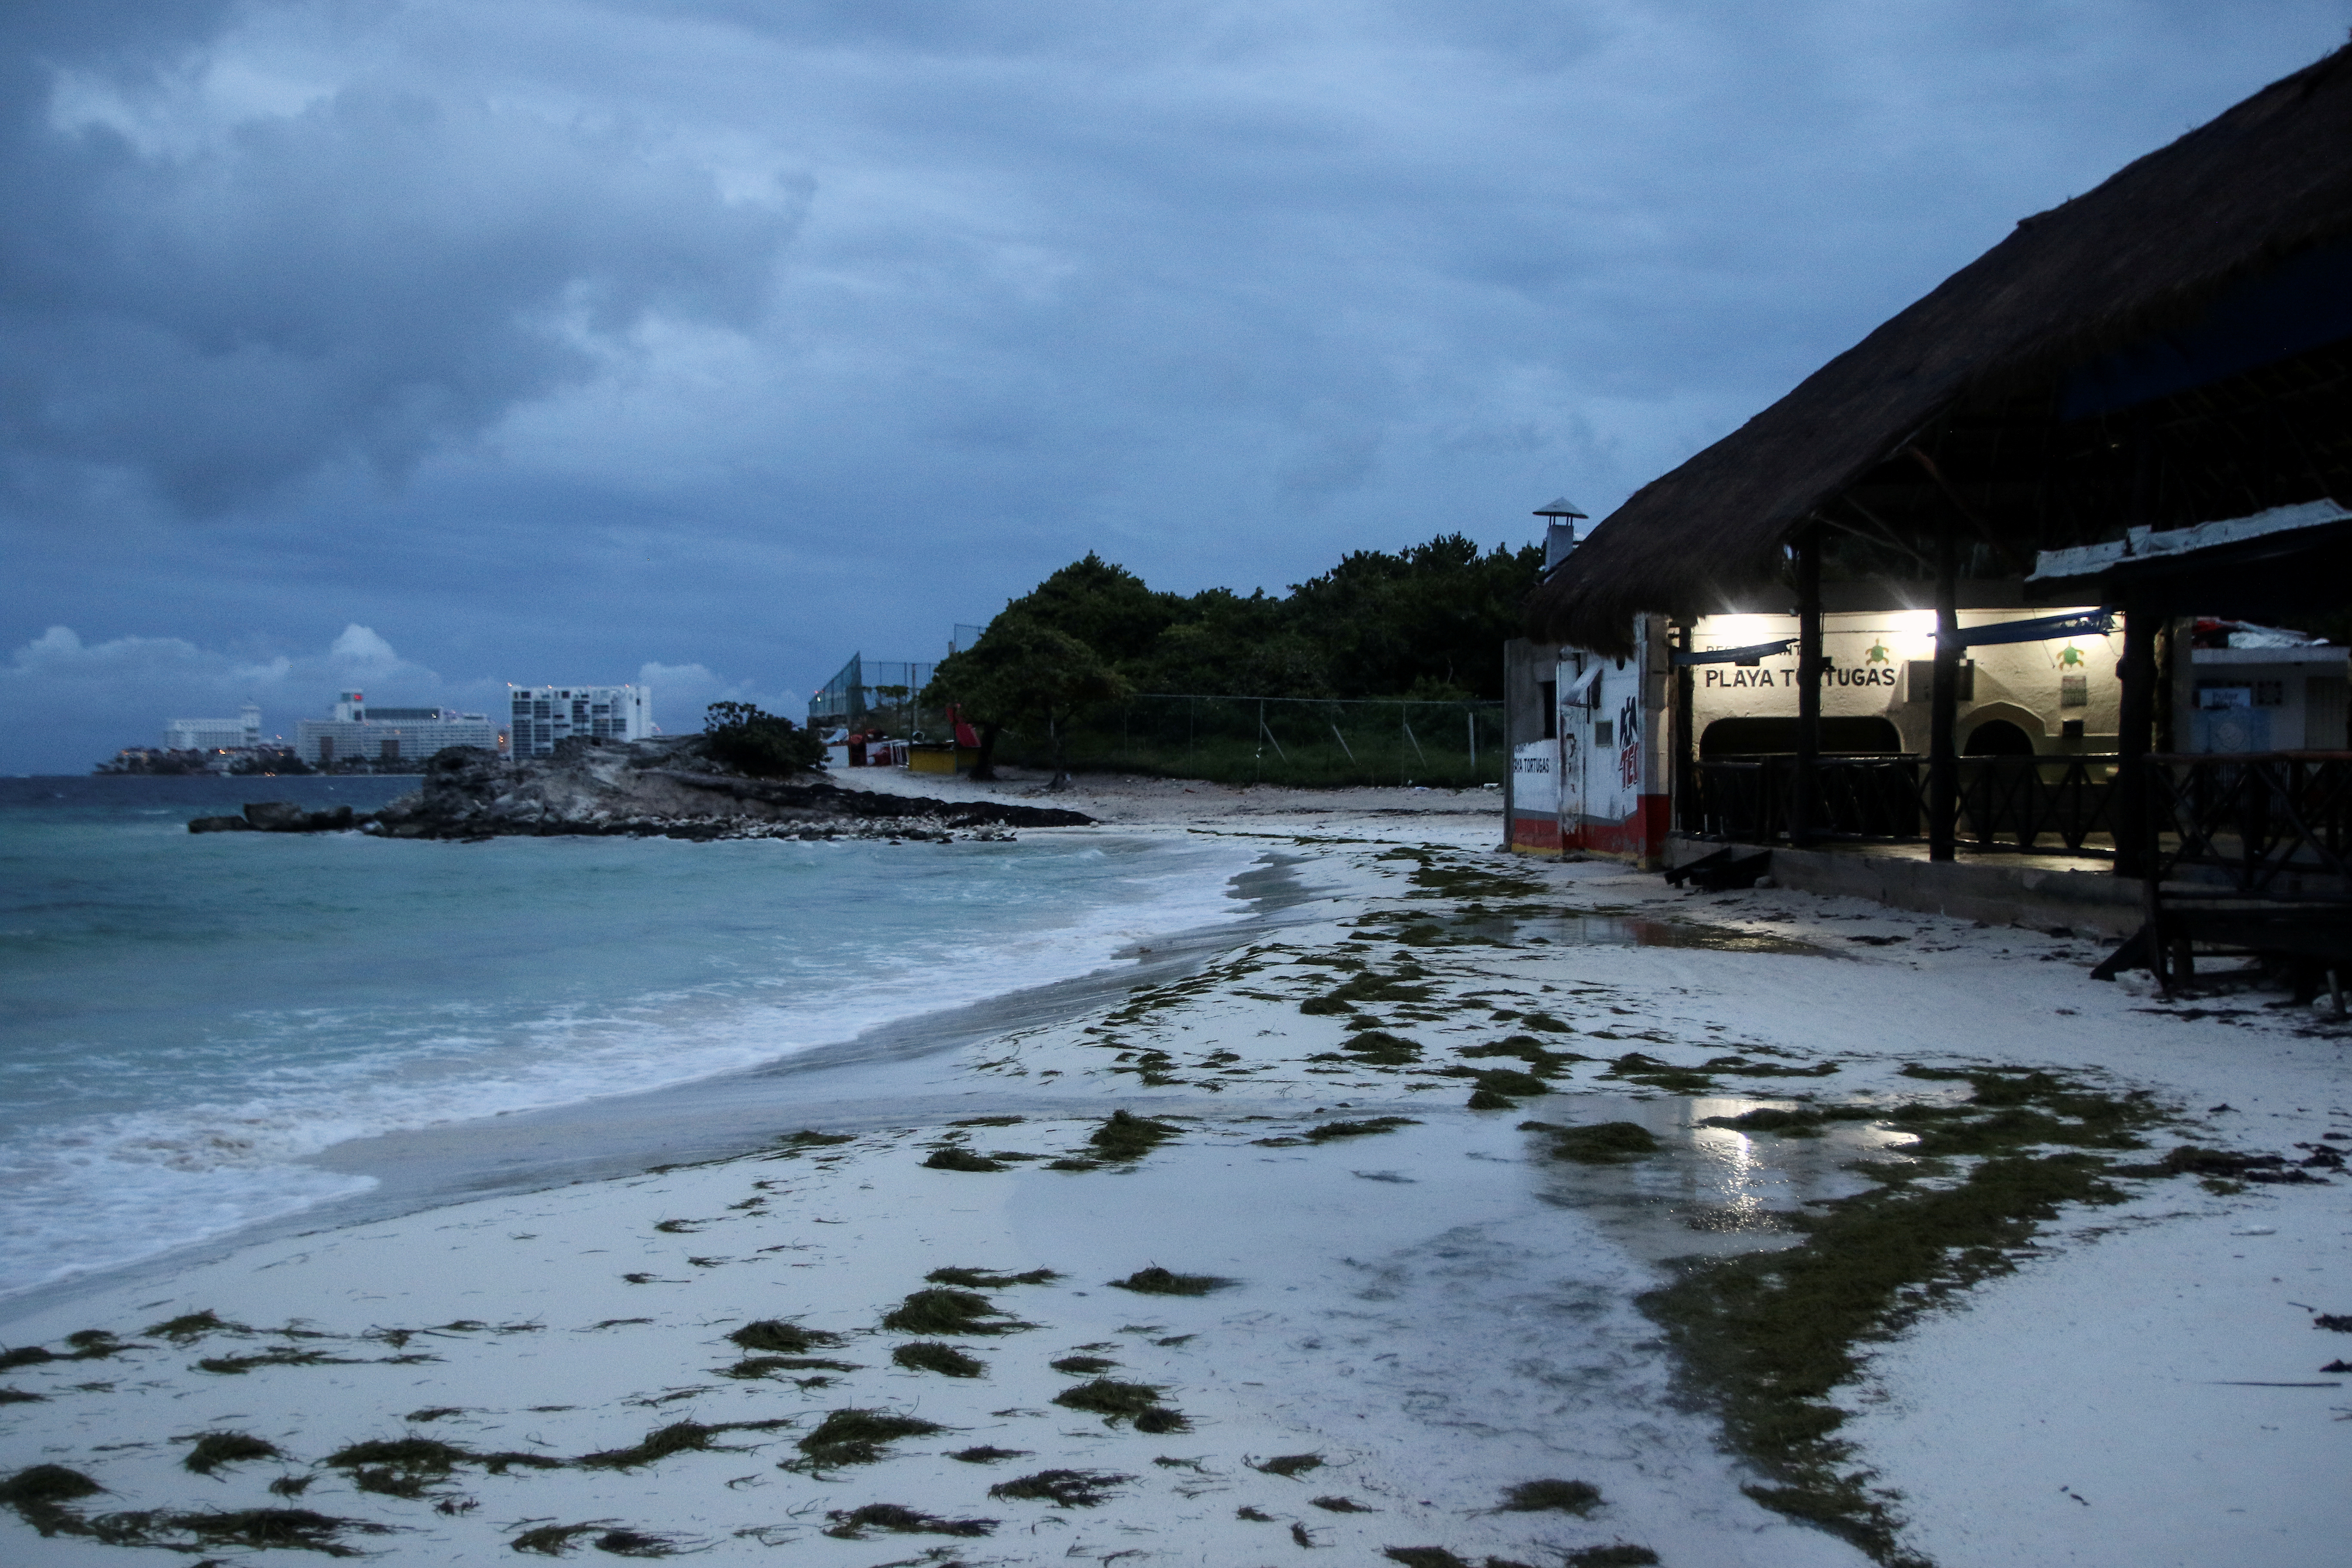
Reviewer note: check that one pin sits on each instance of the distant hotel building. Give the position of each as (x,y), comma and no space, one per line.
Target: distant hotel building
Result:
(545,714)
(214,734)
(386,734)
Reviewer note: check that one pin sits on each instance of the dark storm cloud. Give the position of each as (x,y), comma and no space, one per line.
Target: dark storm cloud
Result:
(735,335)
(378,273)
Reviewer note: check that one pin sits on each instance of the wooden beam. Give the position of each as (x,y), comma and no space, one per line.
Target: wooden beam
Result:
(1943,713)
(1804,789)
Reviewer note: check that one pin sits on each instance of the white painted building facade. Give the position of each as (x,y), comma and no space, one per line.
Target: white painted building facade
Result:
(214,735)
(539,716)
(387,734)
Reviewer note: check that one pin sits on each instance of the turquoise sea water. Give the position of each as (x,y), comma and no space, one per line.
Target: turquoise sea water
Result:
(182,1019)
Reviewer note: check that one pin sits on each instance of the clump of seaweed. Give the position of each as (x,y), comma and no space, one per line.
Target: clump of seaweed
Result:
(553,1540)
(212,1450)
(1126,1136)
(21,1396)
(988,1122)
(856,1437)
(39,1494)
(851,1524)
(1330,1131)
(929,1355)
(763,1365)
(1084,1366)
(942,1311)
(1640,1069)
(810,1138)
(1598,1144)
(1578,1497)
(283,1355)
(1370,986)
(1337,1504)
(1288,1464)
(189,1327)
(398,1466)
(290,1486)
(986,1454)
(677,1437)
(627,1542)
(956,1158)
(1063,1488)
(1618,1554)
(1159,1420)
(777,1337)
(1107,1398)
(1158,1282)
(1379,1049)
(257,1528)
(989,1278)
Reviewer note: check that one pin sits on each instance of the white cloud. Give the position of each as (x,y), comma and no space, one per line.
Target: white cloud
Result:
(682,691)
(359,645)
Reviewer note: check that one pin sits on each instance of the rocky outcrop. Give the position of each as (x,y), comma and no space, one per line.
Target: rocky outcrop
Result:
(671,788)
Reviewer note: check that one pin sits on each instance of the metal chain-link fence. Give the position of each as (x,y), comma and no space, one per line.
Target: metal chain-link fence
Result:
(1276,739)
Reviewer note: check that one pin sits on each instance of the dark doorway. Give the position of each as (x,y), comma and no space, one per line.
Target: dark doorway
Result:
(1840,737)
(1997,738)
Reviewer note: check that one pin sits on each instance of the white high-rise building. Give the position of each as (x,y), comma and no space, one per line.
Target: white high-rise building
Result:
(542,715)
(214,734)
(380,734)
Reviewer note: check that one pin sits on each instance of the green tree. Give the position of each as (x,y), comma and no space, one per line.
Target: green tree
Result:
(764,745)
(1019,669)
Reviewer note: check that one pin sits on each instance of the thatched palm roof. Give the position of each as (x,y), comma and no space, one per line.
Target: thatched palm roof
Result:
(1974,376)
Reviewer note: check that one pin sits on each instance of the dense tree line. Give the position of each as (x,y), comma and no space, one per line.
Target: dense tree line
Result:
(1428,621)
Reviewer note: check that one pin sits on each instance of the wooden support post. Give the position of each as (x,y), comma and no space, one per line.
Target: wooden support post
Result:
(2138,727)
(1943,748)
(1805,788)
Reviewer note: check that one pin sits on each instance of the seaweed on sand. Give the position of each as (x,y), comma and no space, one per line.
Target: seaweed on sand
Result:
(986,1454)
(1597,1143)
(1499,1088)
(1578,1497)
(989,1278)
(1107,1398)
(1337,1504)
(929,1355)
(955,1158)
(1370,986)
(939,1309)
(212,1450)
(763,1365)
(1618,1554)
(553,1540)
(21,1396)
(253,1528)
(1379,1049)
(1084,1366)
(1369,1125)
(1161,1419)
(408,1466)
(1767,1336)
(851,1524)
(1155,1280)
(283,1355)
(39,1494)
(1288,1464)
(189,1327)
(1063,1488)
(1126,1136)
(777,1337)
(810,1138)
(856,1437)
(677,1437)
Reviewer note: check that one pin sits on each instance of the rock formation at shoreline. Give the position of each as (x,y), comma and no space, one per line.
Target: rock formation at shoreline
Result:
(668,788)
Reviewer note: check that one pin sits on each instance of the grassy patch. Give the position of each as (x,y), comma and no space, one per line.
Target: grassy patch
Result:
(929,1355)
(1578,1497)
(949,1313)
(852,1524)
(1599,1143)
(856,1437)
(212,1450)
(1063,1488)
(1126,1136)
(777,1337)
(989,1278)
(1158,1282)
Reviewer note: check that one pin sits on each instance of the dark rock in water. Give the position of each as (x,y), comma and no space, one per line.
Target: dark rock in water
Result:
(672,788)
(220,825)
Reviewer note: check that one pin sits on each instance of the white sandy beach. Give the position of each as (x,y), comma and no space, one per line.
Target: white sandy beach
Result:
(1435,1312)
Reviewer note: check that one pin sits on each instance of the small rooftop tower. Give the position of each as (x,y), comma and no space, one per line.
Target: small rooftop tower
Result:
(1561,516)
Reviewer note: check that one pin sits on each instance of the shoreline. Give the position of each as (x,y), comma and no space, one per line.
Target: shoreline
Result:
(1437,1309)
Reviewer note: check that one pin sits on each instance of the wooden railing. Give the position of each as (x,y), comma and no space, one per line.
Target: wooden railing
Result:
(2047,805)
(2266,824)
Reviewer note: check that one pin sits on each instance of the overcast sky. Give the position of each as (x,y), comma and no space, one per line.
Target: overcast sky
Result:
(431,346)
